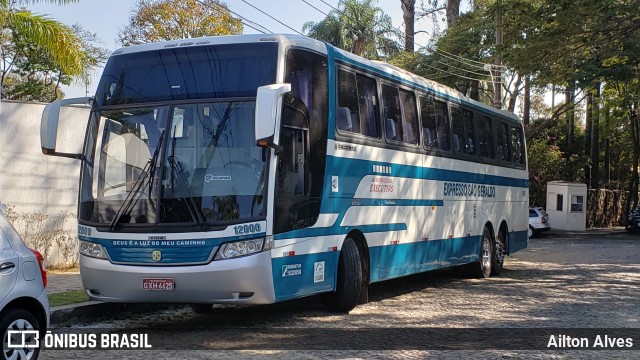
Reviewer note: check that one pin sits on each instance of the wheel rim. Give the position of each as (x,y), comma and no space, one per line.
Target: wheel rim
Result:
(486,253)
(530,232)
(18,353)
(500,249)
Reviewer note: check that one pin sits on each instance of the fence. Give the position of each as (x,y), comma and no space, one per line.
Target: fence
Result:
(606,208)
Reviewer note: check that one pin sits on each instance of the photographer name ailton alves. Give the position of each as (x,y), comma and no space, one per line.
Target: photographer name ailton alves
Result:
(599,341)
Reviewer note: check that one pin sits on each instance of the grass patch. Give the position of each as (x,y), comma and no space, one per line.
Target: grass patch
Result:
(67,297)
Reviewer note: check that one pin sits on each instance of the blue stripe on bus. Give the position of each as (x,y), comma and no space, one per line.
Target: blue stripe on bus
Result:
(336,229)
(348,167)
(171,254)
(396,202)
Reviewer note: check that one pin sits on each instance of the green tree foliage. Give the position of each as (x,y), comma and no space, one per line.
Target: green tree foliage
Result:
(359,27)
(51,37)
(34,75)
(160,20)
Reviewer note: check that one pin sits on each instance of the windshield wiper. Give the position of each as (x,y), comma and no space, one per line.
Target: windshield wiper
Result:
(132,197)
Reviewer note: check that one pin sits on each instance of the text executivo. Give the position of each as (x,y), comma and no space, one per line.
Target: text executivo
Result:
(469,190)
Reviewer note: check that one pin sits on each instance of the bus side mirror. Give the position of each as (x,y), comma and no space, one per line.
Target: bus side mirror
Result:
(50,122)
(269,114)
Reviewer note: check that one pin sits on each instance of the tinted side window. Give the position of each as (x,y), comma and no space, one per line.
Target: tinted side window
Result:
(503,150)
(410,118)
(463,132)
(347,116)
(368,104)
(486,144)
(392,116)
(517,146)
(442,125)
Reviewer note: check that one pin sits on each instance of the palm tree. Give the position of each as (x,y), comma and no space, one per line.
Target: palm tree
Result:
(52,37)
(359,27)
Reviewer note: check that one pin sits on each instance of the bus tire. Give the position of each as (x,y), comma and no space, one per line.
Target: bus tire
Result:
(348,282)
(482,268)
(499,251)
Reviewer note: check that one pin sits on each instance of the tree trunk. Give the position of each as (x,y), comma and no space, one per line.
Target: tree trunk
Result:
(570,117)
(526,116)
(514,96)
(587,135)
(453,10)
(409,15)
(607,148)
(595,139)
(632,196)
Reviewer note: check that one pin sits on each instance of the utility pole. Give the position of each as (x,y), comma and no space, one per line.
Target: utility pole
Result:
(497,96)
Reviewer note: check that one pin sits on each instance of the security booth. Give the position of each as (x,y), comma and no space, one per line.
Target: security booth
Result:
(567,205)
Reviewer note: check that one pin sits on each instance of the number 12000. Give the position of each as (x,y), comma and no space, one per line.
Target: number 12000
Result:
(247,229)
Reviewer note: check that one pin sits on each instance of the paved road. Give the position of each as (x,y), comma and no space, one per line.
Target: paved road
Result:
(588,282)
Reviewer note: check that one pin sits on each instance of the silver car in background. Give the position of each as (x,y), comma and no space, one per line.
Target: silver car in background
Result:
(23,300)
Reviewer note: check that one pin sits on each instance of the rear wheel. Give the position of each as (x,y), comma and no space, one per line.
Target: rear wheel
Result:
(18,319)
(500,249)
(349,281)
(482,268)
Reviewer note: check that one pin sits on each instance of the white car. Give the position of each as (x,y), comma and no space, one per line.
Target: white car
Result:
(23,300)
(538,221)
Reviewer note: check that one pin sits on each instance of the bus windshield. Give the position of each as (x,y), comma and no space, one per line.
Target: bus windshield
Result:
(188,163)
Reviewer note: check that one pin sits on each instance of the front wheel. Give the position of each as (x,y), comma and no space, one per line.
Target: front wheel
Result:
(349,281)
(18,319)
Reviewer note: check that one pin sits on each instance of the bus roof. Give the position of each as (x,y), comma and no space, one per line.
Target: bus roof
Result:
(379,67)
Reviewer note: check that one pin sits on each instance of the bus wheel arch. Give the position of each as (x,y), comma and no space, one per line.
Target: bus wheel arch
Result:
(351,276)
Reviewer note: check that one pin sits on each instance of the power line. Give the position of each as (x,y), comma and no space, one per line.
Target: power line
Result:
(331,6)
(280,22)
(246,21)
(305,1)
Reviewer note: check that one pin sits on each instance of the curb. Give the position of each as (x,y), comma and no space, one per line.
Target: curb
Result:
(91,310)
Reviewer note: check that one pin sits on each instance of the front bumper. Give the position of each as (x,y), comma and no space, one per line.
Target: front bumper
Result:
(246,280)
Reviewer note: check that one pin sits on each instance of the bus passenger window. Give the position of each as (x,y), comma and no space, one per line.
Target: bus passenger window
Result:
(428,122)
(517,146)
(503,151)
(347,113)
(410,119)
(368,103)
(486,143)
(442,124)
(392,114)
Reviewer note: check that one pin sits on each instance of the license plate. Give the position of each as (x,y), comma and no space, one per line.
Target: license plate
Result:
(158,284)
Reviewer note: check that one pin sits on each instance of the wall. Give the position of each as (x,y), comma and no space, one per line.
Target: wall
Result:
(34,183)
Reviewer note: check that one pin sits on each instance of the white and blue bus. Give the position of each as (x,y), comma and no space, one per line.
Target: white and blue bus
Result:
(257,169)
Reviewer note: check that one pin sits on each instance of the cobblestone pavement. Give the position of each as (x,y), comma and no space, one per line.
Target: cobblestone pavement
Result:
(588,282)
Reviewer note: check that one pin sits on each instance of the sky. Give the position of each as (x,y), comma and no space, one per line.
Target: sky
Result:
(106,18)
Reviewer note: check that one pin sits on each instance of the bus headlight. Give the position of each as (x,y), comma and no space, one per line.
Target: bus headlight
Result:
(92,250)
(244,247)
